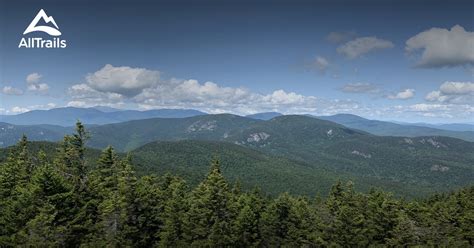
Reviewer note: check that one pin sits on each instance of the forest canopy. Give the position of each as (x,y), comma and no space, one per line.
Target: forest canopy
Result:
(66,201)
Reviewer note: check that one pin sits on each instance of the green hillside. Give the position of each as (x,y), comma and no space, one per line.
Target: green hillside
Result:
(190,159)
(129,135)
(426,162)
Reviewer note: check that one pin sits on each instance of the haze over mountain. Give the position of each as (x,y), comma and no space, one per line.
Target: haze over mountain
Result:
(385,128)
(450,126)
(97,115)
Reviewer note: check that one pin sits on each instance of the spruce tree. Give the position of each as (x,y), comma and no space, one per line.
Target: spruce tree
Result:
(208,221)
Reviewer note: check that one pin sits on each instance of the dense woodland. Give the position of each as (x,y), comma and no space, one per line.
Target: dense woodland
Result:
(65,201)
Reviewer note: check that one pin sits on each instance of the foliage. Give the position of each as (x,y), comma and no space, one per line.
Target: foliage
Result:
(67,201)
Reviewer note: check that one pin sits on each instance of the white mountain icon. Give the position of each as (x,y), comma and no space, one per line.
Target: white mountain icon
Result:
(49,30)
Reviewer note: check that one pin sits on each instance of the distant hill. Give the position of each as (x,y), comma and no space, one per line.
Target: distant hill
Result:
(385,128)
(423,161)
(98,115)
(451,126)
(10,134)
(264,116)
(129,135)
(191,158)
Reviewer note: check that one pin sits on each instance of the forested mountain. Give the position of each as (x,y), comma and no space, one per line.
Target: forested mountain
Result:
(66,200)
(189,159)
(425,164)
(385,128)
(127,136)
(69,115)
(316,150)
(10,134)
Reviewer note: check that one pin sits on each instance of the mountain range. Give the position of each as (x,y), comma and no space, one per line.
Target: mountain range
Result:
(385,128)
(302,153)
(97,115)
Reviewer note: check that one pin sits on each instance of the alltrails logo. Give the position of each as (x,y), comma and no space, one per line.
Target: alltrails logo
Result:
(38,42)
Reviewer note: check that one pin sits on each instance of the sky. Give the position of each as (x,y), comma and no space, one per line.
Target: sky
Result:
(410,61)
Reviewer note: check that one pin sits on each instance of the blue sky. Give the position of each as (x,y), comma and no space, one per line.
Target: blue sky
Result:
(378,59)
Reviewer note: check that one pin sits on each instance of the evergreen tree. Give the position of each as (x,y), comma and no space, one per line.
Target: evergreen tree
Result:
(208,221)
(172,234)
(14,195)
(248,208)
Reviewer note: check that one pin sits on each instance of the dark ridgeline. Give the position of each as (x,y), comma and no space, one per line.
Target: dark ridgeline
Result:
(69,201)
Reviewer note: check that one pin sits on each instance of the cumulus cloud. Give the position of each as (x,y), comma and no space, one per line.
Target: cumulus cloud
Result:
(122,80)
(360,46)
(40,88)
(84,96)
(33,78)
(19,109)
(212,98)
(339,37)
(359,88)
(442,110)
(215,98)
(33,83)
(9,90)
(443,47)
(105,88)
(403,95)
(453,92)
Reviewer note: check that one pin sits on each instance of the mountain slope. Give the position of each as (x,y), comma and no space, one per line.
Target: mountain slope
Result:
(191,159)
(426,163)
(129,135)
(423,162)
(10,134)
(392,129)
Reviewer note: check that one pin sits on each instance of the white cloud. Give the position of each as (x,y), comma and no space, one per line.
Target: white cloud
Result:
(123,80)
(453,92)
(403,95)
(359,88)
(357,47)
(19,110)
(40,88)
(82,95)
(213,98)
(443,47)
(33,78)
(442,110)
(9,90)
(33,83)
(338,37)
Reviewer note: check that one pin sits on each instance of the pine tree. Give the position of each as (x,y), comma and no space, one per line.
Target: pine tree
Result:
(150,200)
(172,234)
(50,198)
(14,179)
(209,218)
(245,228)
